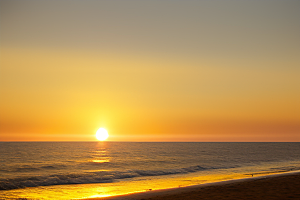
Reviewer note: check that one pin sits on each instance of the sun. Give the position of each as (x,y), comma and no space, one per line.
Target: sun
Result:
(102,134)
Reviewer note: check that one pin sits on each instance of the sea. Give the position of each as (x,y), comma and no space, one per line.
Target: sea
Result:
(80,170)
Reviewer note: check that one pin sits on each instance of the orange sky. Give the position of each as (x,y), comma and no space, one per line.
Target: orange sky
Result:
(150,71)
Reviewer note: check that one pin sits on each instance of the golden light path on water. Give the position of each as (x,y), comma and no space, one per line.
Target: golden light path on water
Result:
(127,186)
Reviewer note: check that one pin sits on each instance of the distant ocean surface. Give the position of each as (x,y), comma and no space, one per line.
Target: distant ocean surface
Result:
(115,164)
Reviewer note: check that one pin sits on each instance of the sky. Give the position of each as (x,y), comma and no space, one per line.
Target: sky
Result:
(170,70)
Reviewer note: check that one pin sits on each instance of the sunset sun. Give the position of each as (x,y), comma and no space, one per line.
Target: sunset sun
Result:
(102,134)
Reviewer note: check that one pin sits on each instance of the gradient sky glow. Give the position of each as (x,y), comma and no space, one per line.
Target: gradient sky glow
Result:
(218,70)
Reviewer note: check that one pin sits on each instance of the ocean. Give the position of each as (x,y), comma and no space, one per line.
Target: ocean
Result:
(74,170)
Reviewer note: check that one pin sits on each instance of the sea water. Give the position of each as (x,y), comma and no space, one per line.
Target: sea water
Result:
(70,170)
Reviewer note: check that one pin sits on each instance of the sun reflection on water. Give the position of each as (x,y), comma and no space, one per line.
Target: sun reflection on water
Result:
(100,155)
(101,161)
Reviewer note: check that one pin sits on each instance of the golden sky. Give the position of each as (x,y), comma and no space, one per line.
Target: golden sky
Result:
(150,70)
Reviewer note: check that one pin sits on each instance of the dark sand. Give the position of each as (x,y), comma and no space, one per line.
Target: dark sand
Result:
(279,187)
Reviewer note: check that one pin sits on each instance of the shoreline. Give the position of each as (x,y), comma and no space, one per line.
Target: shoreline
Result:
(276,186)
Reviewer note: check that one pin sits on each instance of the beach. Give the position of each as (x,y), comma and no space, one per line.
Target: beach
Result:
(279,186)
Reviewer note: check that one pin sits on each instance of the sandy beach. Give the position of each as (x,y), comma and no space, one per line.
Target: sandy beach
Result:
(279,186)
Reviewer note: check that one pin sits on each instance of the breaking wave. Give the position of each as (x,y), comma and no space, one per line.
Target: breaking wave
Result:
(88,177)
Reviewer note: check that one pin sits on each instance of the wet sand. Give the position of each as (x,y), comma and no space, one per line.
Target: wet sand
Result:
(279,187)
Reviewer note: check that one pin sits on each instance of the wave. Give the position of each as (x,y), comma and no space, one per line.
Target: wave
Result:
(89,177)
(28,168)
(107,176)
